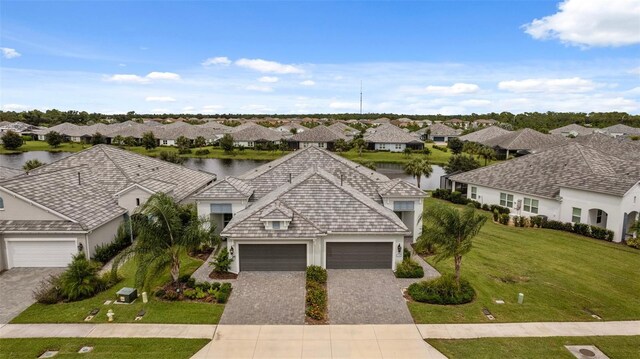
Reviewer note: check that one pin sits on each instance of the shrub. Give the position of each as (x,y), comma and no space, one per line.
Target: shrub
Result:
(184,151)
(485,207)
(48,290)
(122,240)
(200,294)
(204,286)
(406,254)
(202,152)
(409,269)
(316,300)
(441,194)
(316,274)
(561,226)
(476,204)
(496,215)
(442,290)
(440,148)
(504,219)
(582,229)
(222,297)
(190,293)
(634,242)
(191,283)
(225,287)
(222,263)
(184,278)
(160,293)
(80,280)
(171,295)
(601,233)
(500,209)
(11,140)
(215,285)
(457,198)
(536,221)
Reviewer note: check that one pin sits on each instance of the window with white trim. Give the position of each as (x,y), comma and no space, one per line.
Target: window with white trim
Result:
(576,213)
(506,200)
(403,205)
(531,205)
(322,144)
(383,146)
(275,225)
(474,192)
(398,146)
(218,208)
(599,216)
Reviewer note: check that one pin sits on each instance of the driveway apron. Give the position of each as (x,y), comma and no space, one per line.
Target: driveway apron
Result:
(266,298)
(366,296)
(16,289)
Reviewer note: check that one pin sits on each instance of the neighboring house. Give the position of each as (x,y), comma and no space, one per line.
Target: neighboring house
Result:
(483,123)
(522,142)
(391,138)
(313,207)
(572,130)
(250,134)
(621,147)
(69,131)
(6,172)
(568,183)
(457,123)
(438,133)
(77,203)
(289,128)
(343,129)
(484,134)
(621,130)
(319,136)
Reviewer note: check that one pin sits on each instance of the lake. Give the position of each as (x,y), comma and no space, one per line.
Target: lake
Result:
(223,167)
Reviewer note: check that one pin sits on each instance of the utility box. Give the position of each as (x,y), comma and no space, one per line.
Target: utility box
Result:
(127,295)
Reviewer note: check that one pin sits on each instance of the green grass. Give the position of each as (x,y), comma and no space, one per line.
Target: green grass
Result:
(561,275)
(436,157)
(43,146)
(157,311)
(535,348)
(102,347)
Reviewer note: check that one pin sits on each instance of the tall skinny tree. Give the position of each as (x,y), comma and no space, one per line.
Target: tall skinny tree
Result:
(417,168)
(451,231)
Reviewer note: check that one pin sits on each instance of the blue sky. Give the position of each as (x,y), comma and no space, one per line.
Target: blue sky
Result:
(449,57)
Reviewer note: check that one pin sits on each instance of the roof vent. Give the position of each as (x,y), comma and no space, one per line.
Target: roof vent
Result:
(79,182)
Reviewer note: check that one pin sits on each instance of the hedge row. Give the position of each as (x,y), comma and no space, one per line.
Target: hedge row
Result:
(457,198)
(316,293)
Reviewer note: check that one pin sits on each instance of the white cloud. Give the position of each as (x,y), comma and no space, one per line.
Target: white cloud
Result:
(159,99)
(590,23)
(307,83)
(265,66)
(9,53)
(635,71)
(567,85)
(268,79)
(163,76)
(130,78)
(344,105)
(211,108)
(14,107)
(475,102)
(455,89)
(259,88)
(220,60)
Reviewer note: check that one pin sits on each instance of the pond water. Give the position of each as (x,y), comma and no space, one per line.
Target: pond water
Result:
(223,167)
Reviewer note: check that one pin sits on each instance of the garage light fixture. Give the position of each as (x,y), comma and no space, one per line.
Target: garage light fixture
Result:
(80,247)
(231,251)
(399,248)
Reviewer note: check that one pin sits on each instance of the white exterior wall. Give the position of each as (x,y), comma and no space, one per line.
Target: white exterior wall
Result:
(102,235)
(16,208)
(546,206)
(418,206)
(391,147)
(243,144)
(167,142)
(127,199)
(313,144)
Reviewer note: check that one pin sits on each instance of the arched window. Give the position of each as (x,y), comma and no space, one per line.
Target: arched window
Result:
(1,203)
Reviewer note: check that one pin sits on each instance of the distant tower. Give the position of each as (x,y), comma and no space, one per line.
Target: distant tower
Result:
(361,97)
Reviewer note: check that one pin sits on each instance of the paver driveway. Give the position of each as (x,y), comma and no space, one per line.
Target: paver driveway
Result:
(266,298)
(366,296)
(16,289)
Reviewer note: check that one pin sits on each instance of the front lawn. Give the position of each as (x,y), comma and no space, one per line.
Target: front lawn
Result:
(44,146)
(102,347)
(564,277)
(157,311)
(535,348)
(436,157)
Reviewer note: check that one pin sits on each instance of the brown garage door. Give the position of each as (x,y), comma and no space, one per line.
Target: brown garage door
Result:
(273,257)
(359,255)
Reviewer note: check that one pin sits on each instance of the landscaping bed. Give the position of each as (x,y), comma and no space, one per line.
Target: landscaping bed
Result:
(316,297)
(102,347)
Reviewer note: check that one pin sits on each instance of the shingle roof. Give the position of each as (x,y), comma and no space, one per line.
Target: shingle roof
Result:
(343,129)
(274,174)
(113,169)
(485,134)
(399,188)
(319,133)
(620,147)
(525,139)
(6,173)
(229,187)
(624,129)
(438,129)
(389,133)
(276,211)
(255,133)
(39,226)
(327,205)
(544,173)
(572,128)
(67,129)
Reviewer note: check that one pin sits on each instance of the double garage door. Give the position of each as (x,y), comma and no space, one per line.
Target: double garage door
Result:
(293,257)
(50,253)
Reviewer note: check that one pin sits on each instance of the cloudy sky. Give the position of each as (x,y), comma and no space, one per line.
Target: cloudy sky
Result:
(425,57)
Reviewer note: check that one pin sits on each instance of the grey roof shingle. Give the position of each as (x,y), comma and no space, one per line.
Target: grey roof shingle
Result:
(399,188)
(343,129)
(6,173)
(438,129)
(229,187)
(572,129)
(327,205)
(624,129)
(485,134)
(389,133)
(571,165)
(319,133)
(620,147)
(39,226)
(256,133)
(525,139)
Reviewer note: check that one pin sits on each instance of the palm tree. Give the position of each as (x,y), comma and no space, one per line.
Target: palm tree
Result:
(417,168)
(165,231)
(487,153)
(32,164)
(451,231)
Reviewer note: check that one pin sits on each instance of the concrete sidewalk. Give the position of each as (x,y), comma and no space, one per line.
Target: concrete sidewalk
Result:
(541,329)
(183,331)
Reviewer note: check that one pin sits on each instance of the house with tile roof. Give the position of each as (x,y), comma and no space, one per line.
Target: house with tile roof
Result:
(438,132)
(313,207)
(524,141)
(621,130)
(320,136)
(343,129)
(251,134)
(572,130)
(569,183)
(6,172)
(391,138)
(484,134)
(77,203)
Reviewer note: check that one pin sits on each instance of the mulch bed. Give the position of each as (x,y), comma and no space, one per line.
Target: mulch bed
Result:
(227,275)
(202,254)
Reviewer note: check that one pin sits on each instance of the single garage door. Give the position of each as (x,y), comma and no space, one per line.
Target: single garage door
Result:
(273,257)
(51,253)
(359,255)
